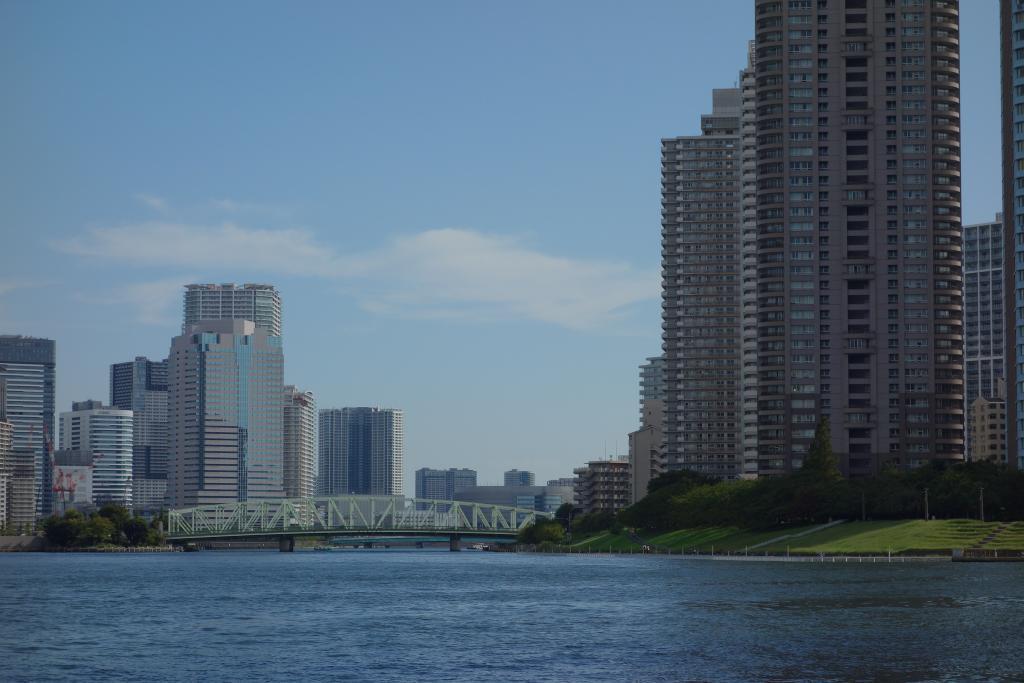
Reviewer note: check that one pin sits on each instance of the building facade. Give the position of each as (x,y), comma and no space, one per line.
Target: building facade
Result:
(1011,19)
(106,434)
(332,471)
(300,443)
(520,478)
(984,349)
(602,486)
(22,504)
(224,410)
(361,451)
(259,303)
(701,293)
(72,481)
(645,450)
(441,484)
(988,428)
(859,237)
(652,382)
(540,498)
(29,367)
(6,440)
(141,387)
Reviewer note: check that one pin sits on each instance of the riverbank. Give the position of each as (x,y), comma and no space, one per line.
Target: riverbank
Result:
(854,539)
(38,544)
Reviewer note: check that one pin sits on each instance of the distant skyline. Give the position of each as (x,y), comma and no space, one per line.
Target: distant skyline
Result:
(459,202)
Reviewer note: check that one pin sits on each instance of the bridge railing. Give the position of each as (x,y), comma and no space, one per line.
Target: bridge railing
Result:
(346,513)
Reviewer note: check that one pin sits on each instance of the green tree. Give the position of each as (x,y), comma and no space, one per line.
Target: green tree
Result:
(820,460)
(97,530)
(135,531)
(63,532)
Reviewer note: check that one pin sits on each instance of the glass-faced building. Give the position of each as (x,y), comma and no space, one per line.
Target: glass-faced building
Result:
(361,451)
(141,387)
(225,394)
(28,367)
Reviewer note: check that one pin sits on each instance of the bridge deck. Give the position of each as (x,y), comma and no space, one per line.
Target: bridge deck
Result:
(349,515)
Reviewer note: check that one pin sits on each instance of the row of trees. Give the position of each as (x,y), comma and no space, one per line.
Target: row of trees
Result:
(818,492)
(110,525)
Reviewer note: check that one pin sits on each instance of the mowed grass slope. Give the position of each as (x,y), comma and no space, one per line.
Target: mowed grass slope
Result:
(851,537)
(897,536)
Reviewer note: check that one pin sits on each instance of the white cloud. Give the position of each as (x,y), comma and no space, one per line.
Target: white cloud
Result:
(157,302)
(448,273)
(463,273)
(152,201)
(225,246)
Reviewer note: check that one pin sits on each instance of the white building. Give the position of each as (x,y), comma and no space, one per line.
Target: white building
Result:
(107,433)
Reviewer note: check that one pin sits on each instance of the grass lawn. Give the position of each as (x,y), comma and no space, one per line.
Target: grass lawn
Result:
(898,536)
(1011,538)
(604,541)
(915,535)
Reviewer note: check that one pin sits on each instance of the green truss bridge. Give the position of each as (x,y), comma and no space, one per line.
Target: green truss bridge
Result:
(353,515)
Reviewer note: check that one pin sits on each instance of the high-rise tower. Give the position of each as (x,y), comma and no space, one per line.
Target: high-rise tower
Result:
(29,366)
(701,295)
(141,387)
(859,237)
(299,443)
(258,303)
(361,451)
(1011,19)
(224,412)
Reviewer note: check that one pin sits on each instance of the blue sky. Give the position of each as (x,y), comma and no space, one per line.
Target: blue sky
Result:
(458,201)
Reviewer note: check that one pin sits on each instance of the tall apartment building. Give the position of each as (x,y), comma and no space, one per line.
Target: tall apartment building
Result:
(602,486)
(6,444)
(258,303)
(983,315)
(701,295)
(332,470)
(141,387)
(224,413)
(29,366)
(748,261)
(859,235)
(652,382)
(106,433)
(361,451)
(22,502)
(1011,20)
(520,478)
(300,445)
(441,484)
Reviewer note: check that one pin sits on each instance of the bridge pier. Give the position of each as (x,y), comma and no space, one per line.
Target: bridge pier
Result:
(453,543)
(286,544)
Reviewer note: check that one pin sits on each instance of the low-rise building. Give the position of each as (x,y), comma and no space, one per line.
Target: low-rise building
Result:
(988,430)
(602,485)
(72,481)
(645,444)
(540,498)
(520,478)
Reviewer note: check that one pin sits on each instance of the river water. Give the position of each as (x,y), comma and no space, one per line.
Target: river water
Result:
(392,615)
